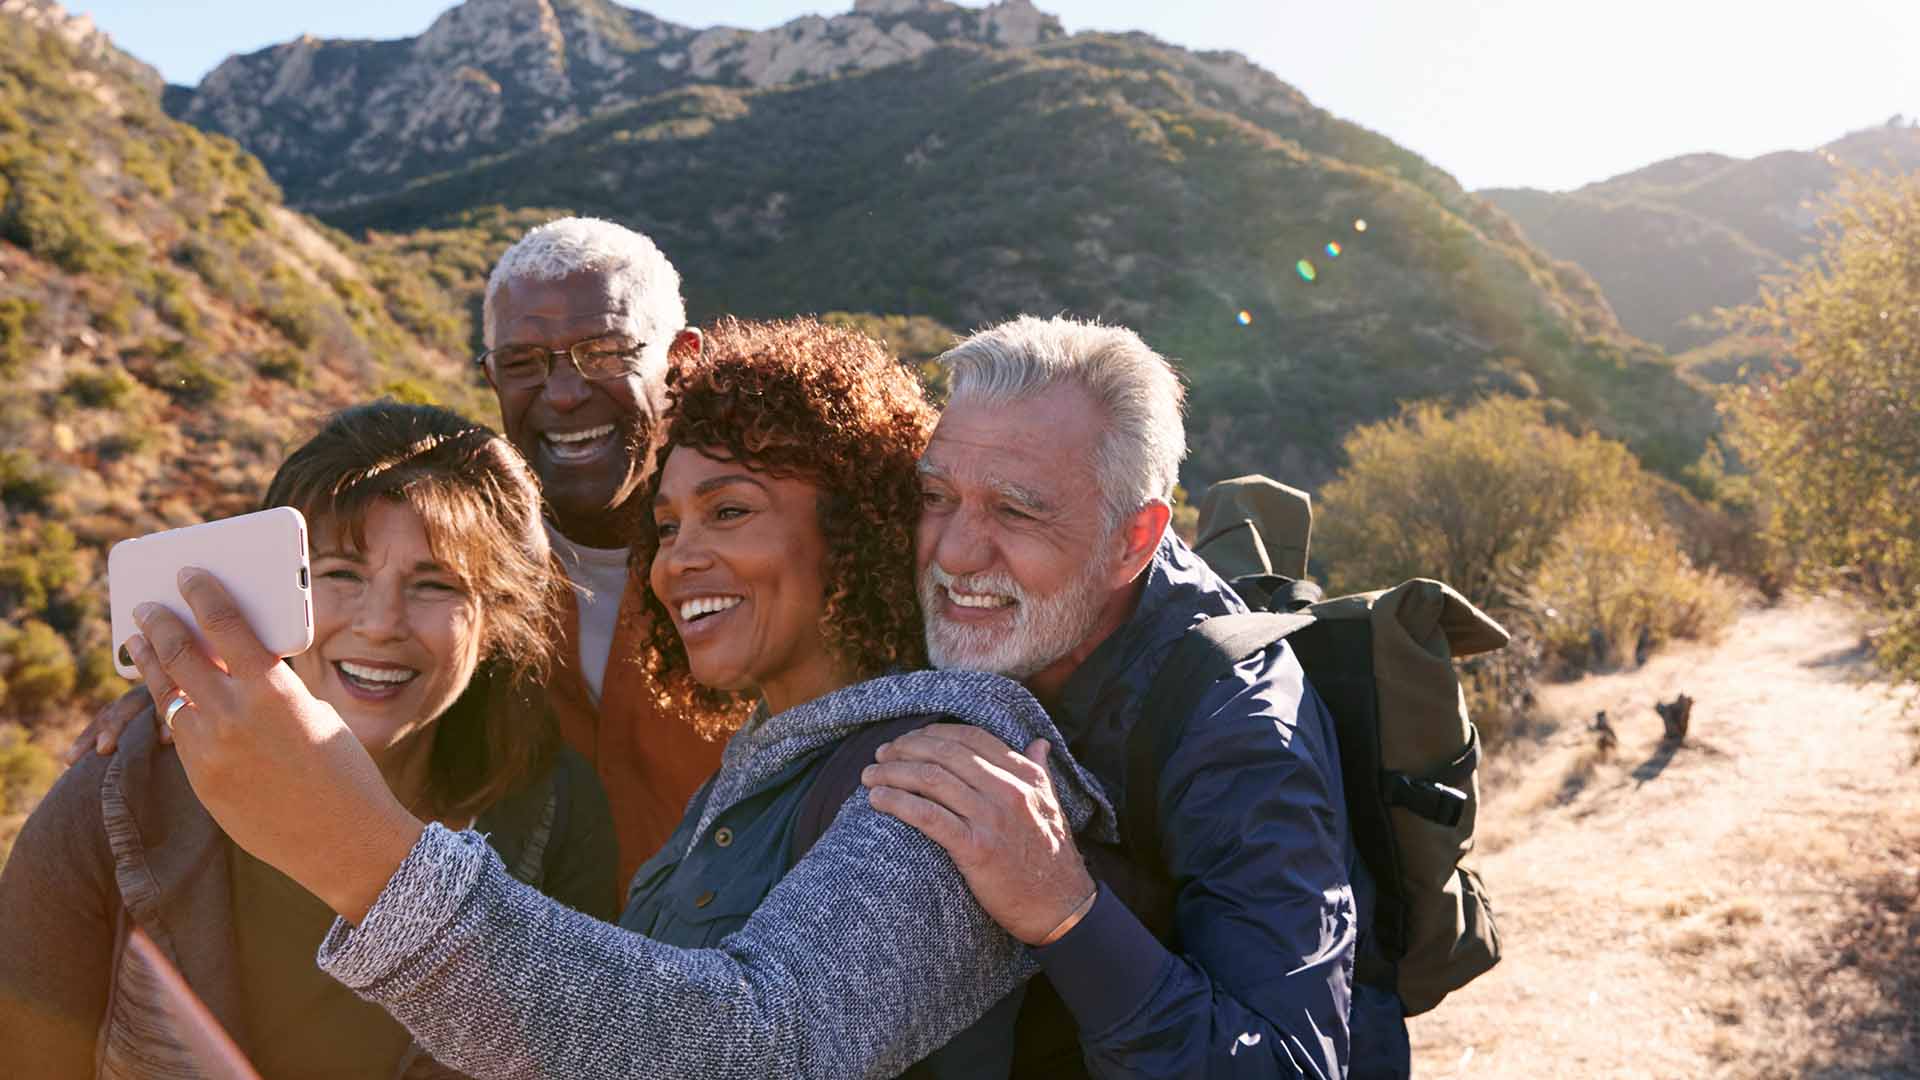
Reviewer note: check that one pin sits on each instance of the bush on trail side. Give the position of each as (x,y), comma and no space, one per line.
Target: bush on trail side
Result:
(1562,537)
(1475,498)
(1832,438)
(1611,589)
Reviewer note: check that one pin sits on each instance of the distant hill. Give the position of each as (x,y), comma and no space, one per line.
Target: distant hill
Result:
(167,327)
(1671,242)
(914,157)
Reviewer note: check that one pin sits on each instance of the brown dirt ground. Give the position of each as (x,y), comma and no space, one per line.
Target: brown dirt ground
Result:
(1745,906)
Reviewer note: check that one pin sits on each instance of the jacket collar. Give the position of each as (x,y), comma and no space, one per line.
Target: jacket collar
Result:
(1180,592)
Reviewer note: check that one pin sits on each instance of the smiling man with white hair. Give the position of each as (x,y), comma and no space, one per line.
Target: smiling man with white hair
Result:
(1045,556)
(582,319)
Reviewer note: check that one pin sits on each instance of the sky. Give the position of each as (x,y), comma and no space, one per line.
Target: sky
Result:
(1501,93)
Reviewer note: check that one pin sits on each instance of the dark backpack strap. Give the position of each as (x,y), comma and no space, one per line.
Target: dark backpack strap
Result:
(1276,592)
(1204,656)
(839,777)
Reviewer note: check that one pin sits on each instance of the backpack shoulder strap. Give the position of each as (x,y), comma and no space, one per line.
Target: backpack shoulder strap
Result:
(1204,656)
(835,781)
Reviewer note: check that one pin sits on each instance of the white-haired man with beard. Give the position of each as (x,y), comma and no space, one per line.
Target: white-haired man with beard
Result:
(1045,556)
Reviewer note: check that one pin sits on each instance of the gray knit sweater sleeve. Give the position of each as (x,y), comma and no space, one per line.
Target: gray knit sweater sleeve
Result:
(867,956)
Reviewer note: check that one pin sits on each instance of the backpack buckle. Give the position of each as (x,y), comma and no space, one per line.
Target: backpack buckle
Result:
(1437,802)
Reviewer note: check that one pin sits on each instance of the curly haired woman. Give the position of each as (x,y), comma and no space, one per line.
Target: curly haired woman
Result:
(781,555)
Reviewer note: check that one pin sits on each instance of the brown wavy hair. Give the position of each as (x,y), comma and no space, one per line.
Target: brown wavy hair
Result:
(798,398)
(480,506)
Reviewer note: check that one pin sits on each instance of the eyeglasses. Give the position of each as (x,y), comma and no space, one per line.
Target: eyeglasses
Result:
(524,366)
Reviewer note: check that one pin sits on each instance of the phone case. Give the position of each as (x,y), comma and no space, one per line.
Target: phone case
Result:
(261,558)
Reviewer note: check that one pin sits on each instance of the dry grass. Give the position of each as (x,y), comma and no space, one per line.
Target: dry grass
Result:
(1742,906)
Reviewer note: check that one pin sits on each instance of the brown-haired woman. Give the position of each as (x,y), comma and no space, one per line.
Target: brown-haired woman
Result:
(432,602)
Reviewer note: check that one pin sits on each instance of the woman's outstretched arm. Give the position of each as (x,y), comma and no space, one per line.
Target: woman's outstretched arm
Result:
(869,955)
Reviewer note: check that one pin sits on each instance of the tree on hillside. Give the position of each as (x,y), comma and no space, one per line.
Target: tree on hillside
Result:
(1833,438)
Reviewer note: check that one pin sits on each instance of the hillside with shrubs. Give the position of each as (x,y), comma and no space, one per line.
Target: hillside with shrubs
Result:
(1308,273)
(167,328)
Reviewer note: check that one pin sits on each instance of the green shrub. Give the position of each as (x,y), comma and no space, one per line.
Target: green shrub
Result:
(124,443)
(39,668)
(190,381)
(174,307)
(1475,498)
(99,390)
(44,214)
(98,680)
(22,586)
(24,486)
(1613,586)
(294,309)
(26,772)
(17,314)
(114,314)
(284,365)
(410,392)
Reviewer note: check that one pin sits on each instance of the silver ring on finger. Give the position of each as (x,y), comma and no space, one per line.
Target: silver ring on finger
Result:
(179,701)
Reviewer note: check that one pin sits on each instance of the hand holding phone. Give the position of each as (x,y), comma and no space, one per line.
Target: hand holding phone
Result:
(260,558)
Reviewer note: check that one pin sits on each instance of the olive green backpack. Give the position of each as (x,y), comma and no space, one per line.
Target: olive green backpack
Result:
(1383,663)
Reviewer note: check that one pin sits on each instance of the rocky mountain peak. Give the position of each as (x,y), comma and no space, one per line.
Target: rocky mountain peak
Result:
(489,74)
(86,39)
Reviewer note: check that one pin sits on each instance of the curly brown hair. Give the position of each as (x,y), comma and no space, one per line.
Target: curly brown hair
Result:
(799,398)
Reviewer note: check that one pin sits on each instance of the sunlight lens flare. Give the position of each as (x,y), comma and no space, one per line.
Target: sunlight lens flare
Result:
(1305,270)
(1245,318)
(1333,249)
(1360,225)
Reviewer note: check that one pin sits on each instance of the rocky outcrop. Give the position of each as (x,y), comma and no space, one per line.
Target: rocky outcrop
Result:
(337,122)
(83,37)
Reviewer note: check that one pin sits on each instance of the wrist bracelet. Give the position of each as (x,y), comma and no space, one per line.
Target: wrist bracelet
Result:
(1072,920)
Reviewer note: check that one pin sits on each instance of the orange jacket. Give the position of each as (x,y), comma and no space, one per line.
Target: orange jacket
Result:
(650,767)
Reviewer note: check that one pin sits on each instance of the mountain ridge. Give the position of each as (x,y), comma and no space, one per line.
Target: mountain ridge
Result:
(824,165)
(489,73)
(1671,242)
(1179,213)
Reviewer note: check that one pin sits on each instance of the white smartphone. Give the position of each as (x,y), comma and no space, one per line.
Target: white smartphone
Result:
(261,558)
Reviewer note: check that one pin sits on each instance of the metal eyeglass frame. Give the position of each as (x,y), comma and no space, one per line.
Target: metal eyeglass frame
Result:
(572,354)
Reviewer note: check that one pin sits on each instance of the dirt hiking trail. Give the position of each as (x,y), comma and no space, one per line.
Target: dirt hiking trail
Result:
(1742,906)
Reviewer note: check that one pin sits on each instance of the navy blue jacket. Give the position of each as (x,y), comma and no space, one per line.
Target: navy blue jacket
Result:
(1254,829)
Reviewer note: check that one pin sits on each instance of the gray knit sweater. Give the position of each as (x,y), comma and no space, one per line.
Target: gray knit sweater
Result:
(867,956)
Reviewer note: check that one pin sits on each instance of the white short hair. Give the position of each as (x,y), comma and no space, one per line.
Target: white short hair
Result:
(1138,459)
(641,273)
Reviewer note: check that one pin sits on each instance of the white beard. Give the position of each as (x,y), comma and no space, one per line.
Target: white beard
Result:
(1044,628)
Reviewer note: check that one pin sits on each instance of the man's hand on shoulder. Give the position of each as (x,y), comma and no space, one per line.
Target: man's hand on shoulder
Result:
(102,736)
(994,810)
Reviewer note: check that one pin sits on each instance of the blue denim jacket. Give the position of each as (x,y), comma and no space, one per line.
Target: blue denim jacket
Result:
(1254,824)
